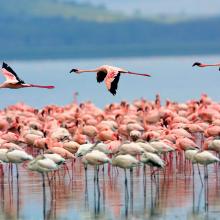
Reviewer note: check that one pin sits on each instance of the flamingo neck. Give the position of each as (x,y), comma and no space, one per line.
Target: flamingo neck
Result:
(83,71)
(205,65)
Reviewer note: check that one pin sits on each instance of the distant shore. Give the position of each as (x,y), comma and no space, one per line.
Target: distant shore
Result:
(108,51)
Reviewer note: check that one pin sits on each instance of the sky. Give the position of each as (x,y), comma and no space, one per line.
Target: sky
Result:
(167,7)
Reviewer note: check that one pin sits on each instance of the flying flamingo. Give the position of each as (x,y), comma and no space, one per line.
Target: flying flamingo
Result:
(110,74)
(14,82)
(205,65)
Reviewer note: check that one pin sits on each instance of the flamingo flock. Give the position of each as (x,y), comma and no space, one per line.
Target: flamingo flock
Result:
(122,135)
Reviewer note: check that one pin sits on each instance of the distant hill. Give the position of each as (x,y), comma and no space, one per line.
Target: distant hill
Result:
(149,8)
(57,8)
(51,29)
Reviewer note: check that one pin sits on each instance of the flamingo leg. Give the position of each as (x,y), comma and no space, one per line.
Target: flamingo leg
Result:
(44,196)
(138,74)
(17,170)
(38,86)
(199,174)
(131,188)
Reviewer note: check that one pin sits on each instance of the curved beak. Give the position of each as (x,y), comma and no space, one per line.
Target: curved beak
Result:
(196,64)
(74,70)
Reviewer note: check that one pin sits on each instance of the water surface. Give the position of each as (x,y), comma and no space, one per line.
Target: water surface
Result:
(172,194)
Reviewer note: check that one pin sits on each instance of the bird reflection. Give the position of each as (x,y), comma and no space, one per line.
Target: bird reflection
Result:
(97,198)
(89,196)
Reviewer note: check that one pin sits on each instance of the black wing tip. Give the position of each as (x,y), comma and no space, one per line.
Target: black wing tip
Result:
(114,85)
(113,92)
(196,64)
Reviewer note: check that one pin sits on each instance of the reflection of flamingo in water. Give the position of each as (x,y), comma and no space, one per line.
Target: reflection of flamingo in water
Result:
(110,74)
(14,82)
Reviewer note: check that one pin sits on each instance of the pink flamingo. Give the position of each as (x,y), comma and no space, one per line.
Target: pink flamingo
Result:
(110,74)
(205,65)
(14,82)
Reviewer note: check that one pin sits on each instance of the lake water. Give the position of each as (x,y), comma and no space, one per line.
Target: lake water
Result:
(172,77)
(174,194)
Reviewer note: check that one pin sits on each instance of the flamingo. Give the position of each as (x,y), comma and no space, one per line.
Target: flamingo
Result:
(43,165)
(147,147)
(95,158)
(205,158)
(17,156)
(84,149)
(110,74)
(102,147)
(152,160)
(131,148)
(14,82)
(205,65)
(55,157)
(135,135)
(125,162)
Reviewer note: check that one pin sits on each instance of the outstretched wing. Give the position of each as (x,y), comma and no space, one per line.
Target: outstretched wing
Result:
(101,76)
(10,74)
(111,82)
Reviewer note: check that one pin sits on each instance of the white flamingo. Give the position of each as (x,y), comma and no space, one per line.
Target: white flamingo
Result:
(95,158)
(17,156)
(84,149)
(125,162)
(153,160)
(55,157)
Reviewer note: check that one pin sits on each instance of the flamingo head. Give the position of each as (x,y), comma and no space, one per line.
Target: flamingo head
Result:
(74,70)
(197,64)
(4,65)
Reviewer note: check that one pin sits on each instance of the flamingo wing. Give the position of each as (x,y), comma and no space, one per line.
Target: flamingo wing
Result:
(101,76)
(10,74)
(111,82)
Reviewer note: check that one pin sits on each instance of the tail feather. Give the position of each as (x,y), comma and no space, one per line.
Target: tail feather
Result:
(43,87)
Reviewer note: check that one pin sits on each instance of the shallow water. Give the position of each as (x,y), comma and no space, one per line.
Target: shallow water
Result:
(172,194)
